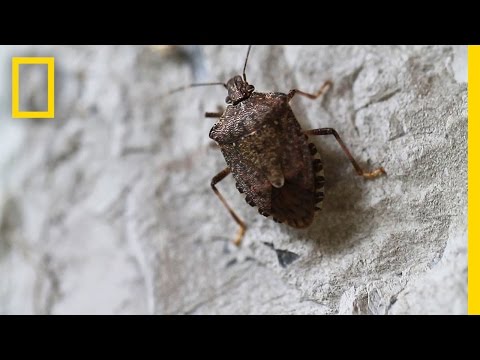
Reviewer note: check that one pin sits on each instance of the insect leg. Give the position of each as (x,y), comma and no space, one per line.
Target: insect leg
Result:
(217,114)
(241,232)
(213,115)
(325,87)
(360,171)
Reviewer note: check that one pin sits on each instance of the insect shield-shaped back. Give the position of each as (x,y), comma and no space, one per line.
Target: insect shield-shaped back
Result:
(267,153)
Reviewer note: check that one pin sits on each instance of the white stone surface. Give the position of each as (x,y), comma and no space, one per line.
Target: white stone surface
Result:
(108,209)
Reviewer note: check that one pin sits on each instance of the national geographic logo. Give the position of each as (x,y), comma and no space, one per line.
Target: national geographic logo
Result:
(26,114)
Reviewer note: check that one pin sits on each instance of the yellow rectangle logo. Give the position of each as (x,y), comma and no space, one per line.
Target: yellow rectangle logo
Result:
(473,180)
(16,62)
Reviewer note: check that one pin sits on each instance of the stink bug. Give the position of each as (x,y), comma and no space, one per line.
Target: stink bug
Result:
(269,154)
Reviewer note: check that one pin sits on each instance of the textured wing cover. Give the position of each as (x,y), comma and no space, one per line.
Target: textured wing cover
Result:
(294,203)
(277,148)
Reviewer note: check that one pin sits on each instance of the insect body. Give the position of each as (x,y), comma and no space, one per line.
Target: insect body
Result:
(270,156)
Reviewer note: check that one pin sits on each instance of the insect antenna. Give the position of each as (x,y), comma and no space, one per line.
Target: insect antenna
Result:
(185,87)
(246,61)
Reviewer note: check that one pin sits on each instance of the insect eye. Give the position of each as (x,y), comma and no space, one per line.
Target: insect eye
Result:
(250,88)
(228,100)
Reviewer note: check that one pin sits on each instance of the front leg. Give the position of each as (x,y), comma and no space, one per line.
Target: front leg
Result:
(217,114)
(213,115)
(325,87)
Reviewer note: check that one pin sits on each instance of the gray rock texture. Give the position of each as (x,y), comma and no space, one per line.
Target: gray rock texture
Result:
(108,208)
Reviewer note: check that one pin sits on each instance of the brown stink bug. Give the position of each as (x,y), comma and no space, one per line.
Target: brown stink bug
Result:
(269,154)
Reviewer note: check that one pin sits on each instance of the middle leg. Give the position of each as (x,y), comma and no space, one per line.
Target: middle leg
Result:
(360,171)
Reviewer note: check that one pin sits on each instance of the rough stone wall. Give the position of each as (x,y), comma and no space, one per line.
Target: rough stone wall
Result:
(108,208)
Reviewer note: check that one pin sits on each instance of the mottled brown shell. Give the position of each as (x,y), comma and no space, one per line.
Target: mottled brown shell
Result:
(270,158)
